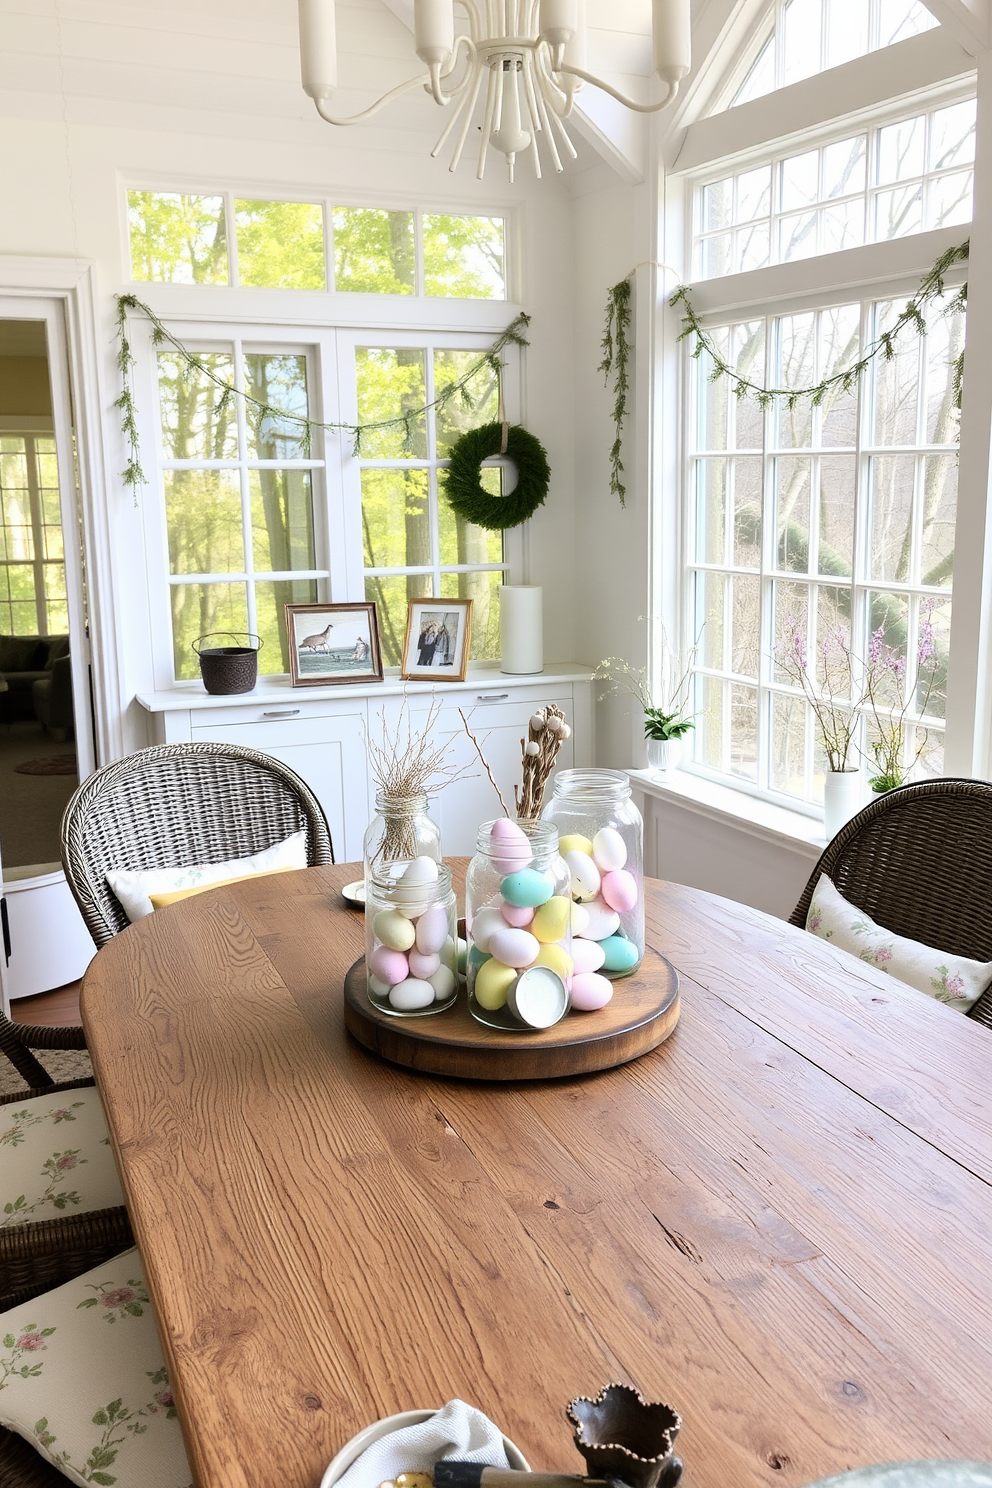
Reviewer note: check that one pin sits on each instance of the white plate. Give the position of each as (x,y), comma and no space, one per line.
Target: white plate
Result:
(914,1475)
(352,1450)
(354,892)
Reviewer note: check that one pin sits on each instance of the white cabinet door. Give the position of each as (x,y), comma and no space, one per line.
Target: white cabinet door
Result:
(329,754)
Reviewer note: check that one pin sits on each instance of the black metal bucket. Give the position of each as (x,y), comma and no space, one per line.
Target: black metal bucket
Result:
(228,669)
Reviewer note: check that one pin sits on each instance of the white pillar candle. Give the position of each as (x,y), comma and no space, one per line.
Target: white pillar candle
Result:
(521,628)
(433,30)
(318,48)
(671,32)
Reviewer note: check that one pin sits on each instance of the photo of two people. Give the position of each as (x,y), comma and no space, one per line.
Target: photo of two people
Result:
(437,639)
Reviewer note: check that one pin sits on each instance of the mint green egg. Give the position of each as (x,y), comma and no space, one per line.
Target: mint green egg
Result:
(527,889)
(475,956)
(621,954)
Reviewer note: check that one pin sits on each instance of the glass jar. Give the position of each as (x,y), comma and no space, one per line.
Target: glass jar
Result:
(601,836)
(410,938)
(400,831)
(518,925)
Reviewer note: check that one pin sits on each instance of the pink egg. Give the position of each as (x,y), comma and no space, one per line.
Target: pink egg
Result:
(619,889)
(389,966)
(588,955)
(517,915)
(590,991)
(432,931)
(509,846)
(514,947)
(422,965)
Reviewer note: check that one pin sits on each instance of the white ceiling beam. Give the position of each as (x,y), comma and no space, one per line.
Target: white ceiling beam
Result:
(969,20)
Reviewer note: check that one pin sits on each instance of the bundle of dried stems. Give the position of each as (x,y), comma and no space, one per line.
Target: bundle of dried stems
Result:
(546,734)
(406,766)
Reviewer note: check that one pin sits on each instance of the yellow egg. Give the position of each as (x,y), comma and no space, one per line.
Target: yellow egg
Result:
(555,959)
(551,919)
(492,982)
(575,843)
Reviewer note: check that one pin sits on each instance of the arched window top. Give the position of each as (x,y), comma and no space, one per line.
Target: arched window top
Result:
(804,37)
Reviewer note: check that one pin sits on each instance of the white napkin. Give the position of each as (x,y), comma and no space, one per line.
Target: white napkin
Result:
(457,1431)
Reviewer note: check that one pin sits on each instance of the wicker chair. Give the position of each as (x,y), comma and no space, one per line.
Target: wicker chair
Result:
(175,805)
(918,860)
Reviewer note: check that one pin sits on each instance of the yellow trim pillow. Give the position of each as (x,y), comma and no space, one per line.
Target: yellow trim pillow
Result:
(133,887)
(159,901)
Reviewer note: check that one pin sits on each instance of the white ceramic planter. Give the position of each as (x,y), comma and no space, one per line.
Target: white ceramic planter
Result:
(663,754)
(843,791)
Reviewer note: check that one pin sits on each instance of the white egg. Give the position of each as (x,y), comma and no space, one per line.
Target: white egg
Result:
(585,876)
(603,921)
(411,995)
(443,982)
(432,930)
(609,850)
(420,871)
(486,921)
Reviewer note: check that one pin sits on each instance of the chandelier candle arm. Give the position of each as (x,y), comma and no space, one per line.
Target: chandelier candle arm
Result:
(434,39)
(318,48)
(559,22)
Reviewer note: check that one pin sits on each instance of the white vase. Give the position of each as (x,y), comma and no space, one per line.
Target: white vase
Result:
(842,796)
(663,754)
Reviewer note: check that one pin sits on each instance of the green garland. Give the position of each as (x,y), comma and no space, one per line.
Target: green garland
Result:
(463,484)
(616,348)
(133,475)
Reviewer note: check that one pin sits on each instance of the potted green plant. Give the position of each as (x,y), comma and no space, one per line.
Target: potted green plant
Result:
(665,723)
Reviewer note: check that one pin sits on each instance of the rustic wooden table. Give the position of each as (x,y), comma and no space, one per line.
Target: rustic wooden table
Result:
(780,1221)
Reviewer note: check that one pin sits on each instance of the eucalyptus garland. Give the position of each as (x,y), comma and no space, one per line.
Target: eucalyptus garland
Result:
(133,475)
(463,479)
(616,349)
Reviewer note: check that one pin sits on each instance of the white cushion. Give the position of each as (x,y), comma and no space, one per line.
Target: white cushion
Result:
(55,1157)
(952,979)
(83,1379)
(133,887)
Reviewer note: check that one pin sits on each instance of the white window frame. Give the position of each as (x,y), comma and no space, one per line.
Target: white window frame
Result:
(17,427)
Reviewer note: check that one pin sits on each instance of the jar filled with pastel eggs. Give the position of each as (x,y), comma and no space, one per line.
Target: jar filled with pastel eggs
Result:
(601,838)
(518,919)
(410,945)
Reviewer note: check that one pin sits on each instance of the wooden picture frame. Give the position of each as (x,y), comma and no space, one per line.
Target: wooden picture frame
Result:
(437,642)
(318,659)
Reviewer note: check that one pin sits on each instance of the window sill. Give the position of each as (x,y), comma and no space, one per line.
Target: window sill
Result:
(791,829)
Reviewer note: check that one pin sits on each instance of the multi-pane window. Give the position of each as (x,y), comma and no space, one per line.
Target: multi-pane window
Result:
(834,521)
(414,543)
(32,561)
(808,36)
(881,183)
(179,238)
(241,521)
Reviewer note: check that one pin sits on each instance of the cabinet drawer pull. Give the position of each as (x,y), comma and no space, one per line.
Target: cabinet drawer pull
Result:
(492,697)
(282,713)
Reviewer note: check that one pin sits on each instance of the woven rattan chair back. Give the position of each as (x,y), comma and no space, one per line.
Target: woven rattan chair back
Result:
(175,805)
(919,861)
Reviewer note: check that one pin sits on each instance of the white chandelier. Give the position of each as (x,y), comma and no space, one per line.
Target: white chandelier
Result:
(530,54)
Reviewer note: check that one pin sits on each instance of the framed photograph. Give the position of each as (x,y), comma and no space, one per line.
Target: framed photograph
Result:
(438,632)
(333,643)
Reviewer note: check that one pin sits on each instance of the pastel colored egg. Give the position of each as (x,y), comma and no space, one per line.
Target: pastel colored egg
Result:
(416,887)
(514,947)
(517,915)
(443,982)
(603,921)
(580,919)
(620,890)
(423,966)
(552,919)
(492,982)
(575,842)
(394,930)
(588,955)
(377,988)
(590,991)
(432,930)
(486,921)
(475,956)
(420,871)
(619,954)
(527,889)
(609,849)
(461,951)
(585,876)
(509,846)
(557,960)
(409,996)
(389,966)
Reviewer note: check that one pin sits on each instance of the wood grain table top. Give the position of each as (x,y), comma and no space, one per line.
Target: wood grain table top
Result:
(780,1221)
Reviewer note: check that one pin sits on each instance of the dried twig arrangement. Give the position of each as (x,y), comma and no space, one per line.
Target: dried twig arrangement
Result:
(485,763)
(547,733)
(405,765)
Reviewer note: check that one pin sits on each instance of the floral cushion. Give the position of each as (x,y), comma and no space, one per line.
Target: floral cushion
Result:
(952,979)
(82,1378)
(55,1157)
(133,887)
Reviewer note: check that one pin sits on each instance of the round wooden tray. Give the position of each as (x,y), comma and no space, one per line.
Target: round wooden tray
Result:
(642,1013)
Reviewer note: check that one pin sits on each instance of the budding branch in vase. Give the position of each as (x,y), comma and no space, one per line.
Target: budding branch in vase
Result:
(546,734)
(406,765)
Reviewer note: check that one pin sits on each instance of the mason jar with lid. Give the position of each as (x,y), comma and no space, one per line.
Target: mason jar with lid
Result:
(400,831)
(518,921)
(601,837)
(410,938)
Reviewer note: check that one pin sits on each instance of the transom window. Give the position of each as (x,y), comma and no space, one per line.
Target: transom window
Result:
(899,178)
(833,520)
(32,561)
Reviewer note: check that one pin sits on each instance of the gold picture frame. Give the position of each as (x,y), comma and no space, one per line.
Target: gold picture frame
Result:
(438,639)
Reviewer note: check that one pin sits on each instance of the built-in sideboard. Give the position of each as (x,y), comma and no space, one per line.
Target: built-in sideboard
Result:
(318,732)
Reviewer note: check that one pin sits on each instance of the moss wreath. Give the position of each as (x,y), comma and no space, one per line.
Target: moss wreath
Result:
(463,482)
